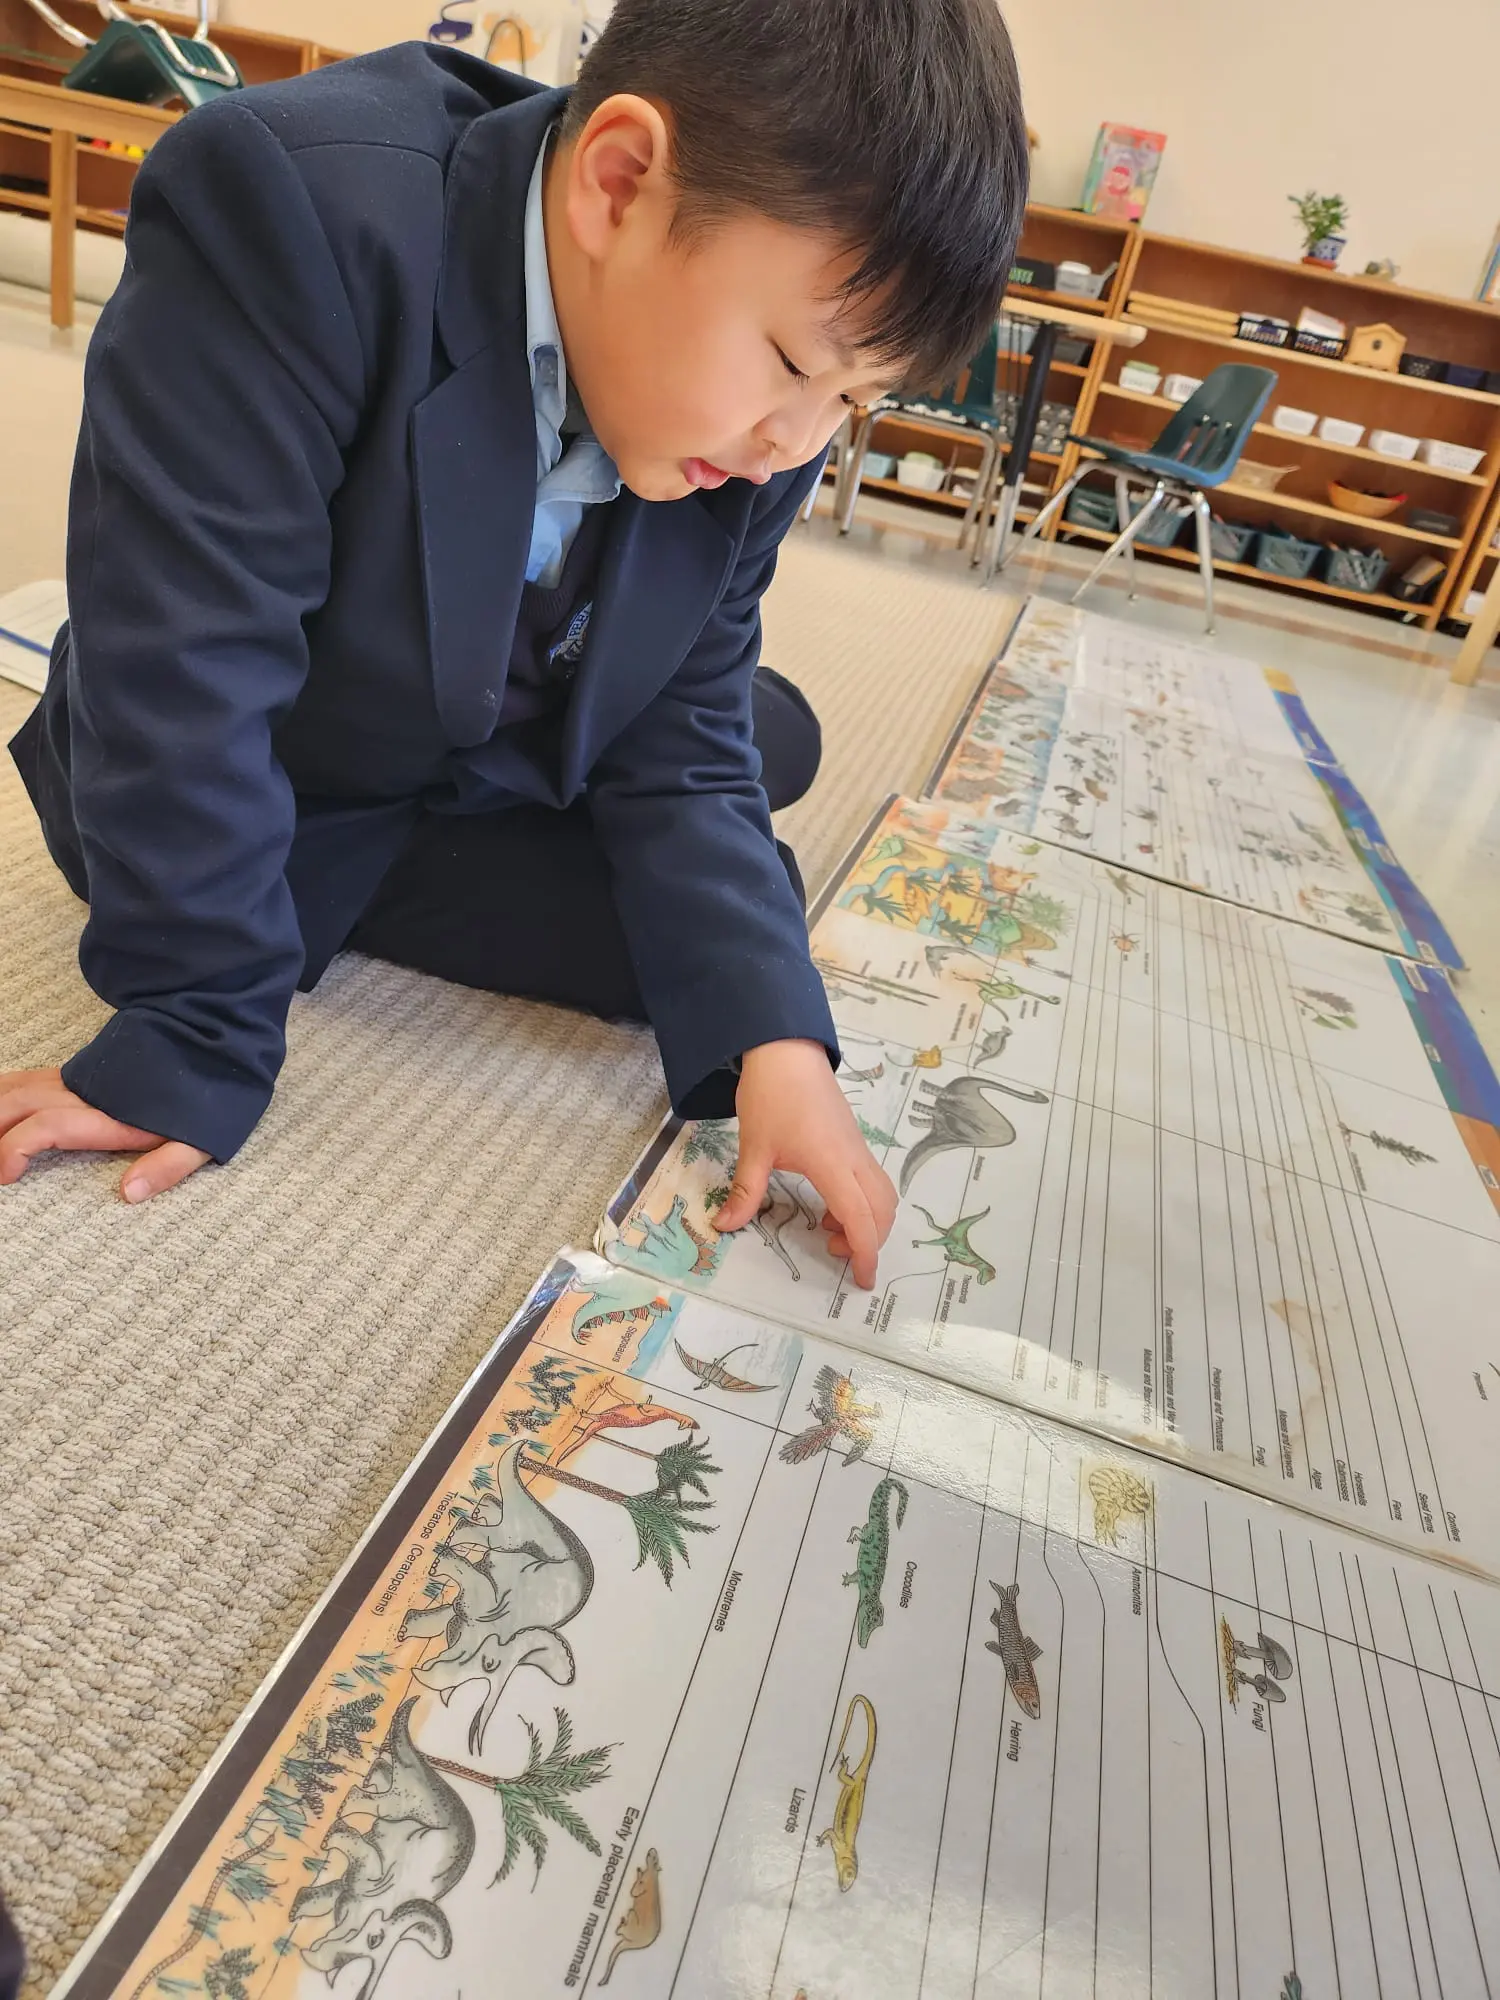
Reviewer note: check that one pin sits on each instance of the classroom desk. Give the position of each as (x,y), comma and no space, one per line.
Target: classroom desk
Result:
(1050,320)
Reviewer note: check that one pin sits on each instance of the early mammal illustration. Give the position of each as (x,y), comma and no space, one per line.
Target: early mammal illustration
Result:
(838,1416)
(874,1540)
(961,1114)
(641,1924)
(1116,1493)
(530,1574)
(714,1375)
(418,1846)
(1016,1652)
(954,1242)
(850,1806)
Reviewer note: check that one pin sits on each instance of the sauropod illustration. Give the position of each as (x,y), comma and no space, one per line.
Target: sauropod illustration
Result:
(961,1114)
(419,1845)
(641,1924)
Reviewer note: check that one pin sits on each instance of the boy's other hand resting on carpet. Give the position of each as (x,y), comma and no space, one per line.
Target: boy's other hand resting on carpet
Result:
(793,1115)
(39,1114)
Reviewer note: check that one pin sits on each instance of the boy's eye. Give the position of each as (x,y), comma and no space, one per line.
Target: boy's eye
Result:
(791,367)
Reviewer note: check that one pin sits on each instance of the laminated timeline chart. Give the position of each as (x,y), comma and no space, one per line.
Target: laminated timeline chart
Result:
(1184,1175)
(699,1656)
(1182,763)
(29,620)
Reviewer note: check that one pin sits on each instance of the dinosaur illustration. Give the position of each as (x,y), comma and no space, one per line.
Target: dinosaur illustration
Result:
(874,1540)
(838,1416)
(1016,1652)
(672,1248)
(864,1075)
(770,1233)
(994,1043)
(531,1574)
(641,1924)
(418,1846)
(954,1241)
(961,1114)
(997,990)
(849,1809)
(641,1316)
(624,1415)
(714,1375)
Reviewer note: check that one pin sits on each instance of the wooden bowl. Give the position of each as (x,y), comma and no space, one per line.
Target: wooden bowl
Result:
(1373,506)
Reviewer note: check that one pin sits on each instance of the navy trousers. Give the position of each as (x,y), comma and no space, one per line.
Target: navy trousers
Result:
(520,902)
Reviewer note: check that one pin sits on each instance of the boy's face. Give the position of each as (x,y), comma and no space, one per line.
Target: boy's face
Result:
(699,359)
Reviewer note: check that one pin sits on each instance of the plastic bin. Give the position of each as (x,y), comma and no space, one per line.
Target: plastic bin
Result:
(1015,335)
(1230,540)
(1093,507)
(1431,522)
(1319,343)
(1280,554)
(1462,376)
(1165,525)
(1394,444)
(1450,457)
(1298,423)
(1338,430)
(1426,366)
(1141,377)
(1264,332)
(1177,388)
(1355,569)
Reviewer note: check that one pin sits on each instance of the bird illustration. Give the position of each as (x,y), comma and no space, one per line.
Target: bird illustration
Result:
(838,1416)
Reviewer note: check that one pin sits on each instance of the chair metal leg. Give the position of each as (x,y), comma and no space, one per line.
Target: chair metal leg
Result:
(851,465)
(1058,501)
(1005,521)
(984,514)
(1205,557)
(1123,540)
(982,480)
(1123,511)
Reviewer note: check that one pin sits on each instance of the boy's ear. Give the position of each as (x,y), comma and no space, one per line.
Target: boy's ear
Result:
(619,157)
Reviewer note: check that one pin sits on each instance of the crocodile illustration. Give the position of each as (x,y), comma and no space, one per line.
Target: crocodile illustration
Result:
(850,1807)
(874,1540)
(954,1241)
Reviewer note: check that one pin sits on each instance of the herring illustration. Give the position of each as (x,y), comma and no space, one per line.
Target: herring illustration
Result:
(1015,1650)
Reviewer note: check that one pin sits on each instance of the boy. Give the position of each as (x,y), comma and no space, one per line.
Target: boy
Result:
(436,449)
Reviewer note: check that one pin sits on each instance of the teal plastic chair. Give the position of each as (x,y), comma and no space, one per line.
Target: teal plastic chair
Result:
(972,416)
(1198,450)
(141,62)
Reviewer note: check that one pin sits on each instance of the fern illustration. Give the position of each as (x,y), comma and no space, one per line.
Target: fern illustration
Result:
(540,1793)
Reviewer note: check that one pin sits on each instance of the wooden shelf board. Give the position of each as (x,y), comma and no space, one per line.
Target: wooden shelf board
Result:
(1048,213)
(1403,467)
(1073,300)
(35,133)
(1381,377)
(1288,503)
(1307,583)
(1009,360)
(1294,268)
(34,204)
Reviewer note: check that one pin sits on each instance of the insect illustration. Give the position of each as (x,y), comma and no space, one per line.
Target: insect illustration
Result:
(1124,943)
(850,1806)
(714,1375)
(641,1924)
(1016,1652)
(838,1416)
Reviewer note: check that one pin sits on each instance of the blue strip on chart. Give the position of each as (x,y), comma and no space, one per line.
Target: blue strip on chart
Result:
(1311,741)
(1421,922)
(1465,1076)
(30,645)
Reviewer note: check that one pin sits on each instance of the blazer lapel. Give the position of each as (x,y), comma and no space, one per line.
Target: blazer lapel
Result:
(664,568)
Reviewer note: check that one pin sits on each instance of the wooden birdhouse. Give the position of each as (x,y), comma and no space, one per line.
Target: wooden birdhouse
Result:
(1378,346)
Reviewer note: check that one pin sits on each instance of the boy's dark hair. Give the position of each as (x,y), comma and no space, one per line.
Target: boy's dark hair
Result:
(896,124)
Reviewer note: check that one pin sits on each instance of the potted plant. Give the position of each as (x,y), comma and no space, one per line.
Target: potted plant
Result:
(1322,217)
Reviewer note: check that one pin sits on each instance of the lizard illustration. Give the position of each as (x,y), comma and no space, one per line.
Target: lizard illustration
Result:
(954,1241)
(849,1810)
(641,1924)
(874,1540)
(714,1375)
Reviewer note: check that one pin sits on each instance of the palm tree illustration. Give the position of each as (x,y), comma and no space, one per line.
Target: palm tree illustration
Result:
(663,1519)
(540,1793)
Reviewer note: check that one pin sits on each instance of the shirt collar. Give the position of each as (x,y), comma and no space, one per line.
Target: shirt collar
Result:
(544,348)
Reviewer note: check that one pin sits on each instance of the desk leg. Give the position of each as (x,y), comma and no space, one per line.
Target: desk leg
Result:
(63,190)
(1019,455)
(1481,635)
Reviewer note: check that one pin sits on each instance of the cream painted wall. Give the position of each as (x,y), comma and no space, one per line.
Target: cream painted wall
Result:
(370,24)
(1390,105)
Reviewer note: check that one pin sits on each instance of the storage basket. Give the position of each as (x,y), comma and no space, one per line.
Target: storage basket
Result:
(1280,554)
(1355,569)
(1177,388)
(1263,478)
(1425,366)
(1322,344)
(1264,332)
(1093,507)
(1338,430)
(1297,423)
(1394,444)
(1429,521)
(1073,350)
(1462,376)
(1450,457)
(1165,525)
(1230,540)
(1140,377)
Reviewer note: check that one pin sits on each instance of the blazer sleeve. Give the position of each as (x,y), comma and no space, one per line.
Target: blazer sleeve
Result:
(717,935)
(222,386)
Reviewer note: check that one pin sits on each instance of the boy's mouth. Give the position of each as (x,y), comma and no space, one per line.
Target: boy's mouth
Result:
(698,472)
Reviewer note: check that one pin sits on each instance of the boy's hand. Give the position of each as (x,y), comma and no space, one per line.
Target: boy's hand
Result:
(793,1115)
(39,1114)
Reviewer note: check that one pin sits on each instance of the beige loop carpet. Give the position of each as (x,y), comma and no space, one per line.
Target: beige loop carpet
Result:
(203,1401)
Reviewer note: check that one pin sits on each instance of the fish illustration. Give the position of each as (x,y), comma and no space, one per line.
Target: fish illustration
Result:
(714,1375)
(850,1807)
(838,1416)
(641,1924)
(1016,1652)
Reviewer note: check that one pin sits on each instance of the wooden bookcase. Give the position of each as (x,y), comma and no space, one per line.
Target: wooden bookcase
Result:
(63,155)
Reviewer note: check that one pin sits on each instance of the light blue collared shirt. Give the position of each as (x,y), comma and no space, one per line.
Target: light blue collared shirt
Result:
(584,475)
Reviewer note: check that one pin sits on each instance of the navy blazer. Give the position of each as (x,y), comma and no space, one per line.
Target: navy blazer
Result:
(300,517)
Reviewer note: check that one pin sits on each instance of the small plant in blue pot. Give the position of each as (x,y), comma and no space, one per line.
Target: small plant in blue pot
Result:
(1322,218)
